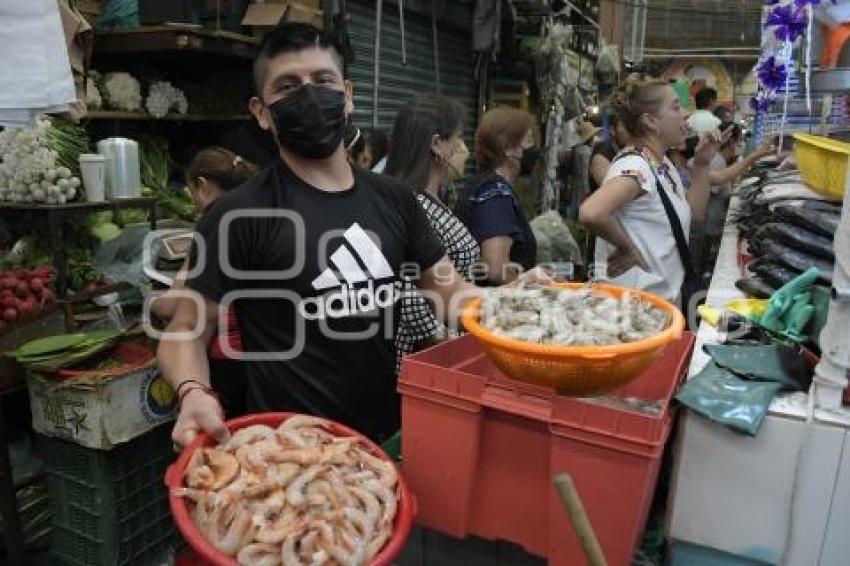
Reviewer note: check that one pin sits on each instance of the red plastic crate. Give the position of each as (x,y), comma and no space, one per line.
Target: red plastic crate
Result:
(480,451)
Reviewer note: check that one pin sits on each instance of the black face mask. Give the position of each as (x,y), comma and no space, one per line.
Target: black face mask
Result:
(528,161)
(310,122)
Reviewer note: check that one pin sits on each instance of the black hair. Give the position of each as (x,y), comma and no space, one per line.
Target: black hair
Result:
(221,166)
(377,140)
(736,135)
(705,98)
(289,38)
(410,157)
(724,113)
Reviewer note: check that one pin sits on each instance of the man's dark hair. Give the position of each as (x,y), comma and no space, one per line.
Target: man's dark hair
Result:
(736,135)
(289,38)
(410,157)
(705,98)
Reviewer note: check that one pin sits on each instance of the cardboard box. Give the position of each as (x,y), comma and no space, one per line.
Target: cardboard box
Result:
(302,12)
(263,17)
(101,413)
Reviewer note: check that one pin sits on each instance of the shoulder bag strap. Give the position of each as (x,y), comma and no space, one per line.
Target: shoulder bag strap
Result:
(672,218)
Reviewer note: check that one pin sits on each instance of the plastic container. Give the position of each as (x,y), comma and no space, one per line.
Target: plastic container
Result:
(823,163)
(480,451)
(123,172)
(576,370)
(133,355)
(93,169)
(109,507)
(207,554)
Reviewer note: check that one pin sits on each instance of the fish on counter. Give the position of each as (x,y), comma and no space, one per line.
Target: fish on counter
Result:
(773,273)
(755,287)
(795,259)
(798,238)
(823,221)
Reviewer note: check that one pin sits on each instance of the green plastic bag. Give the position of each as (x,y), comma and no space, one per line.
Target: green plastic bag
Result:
(770,362)
(723,397)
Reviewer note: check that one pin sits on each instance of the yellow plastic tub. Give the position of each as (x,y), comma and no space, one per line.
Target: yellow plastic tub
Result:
(823,163)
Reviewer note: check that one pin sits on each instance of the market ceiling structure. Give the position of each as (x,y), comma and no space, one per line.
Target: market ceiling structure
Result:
(690,24)
(680,25)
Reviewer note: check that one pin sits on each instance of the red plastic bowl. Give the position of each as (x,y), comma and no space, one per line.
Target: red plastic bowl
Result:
(208,553)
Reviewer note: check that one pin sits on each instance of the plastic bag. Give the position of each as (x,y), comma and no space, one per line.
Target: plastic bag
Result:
(120,259)
(563,246)
(718,394)
(608,64)
(778,363)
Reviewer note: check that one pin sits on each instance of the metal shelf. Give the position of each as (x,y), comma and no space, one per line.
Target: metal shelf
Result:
(56,214)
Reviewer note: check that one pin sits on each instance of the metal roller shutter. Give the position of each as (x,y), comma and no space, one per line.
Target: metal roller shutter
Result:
(398,82)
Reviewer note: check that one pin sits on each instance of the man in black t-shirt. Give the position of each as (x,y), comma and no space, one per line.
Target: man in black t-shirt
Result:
(310,252)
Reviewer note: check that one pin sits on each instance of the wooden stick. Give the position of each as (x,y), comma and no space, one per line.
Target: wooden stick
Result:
(581,524)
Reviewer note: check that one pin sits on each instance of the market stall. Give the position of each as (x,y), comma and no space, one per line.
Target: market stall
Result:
(776,493)
(536,427)
(795,462)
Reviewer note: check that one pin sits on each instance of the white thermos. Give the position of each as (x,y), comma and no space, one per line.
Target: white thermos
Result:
(123,174)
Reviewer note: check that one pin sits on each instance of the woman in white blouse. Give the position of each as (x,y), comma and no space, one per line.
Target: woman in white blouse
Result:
(636,246)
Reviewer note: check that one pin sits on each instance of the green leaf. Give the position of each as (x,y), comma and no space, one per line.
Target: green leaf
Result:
(49,344)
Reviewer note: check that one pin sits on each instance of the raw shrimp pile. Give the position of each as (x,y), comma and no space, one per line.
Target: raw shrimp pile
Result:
(565,317)
(292,495)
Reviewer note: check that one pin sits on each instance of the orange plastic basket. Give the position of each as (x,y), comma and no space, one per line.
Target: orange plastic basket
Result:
(576,370)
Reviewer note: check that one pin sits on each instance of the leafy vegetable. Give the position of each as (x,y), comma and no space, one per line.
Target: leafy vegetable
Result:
(64,350)
(155,165)
(131,216)
(68,140)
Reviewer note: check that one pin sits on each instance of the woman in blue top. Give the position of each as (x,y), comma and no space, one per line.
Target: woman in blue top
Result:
(504,150)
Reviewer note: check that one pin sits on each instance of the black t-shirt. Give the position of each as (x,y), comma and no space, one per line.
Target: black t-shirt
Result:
(606,149)
(325,302)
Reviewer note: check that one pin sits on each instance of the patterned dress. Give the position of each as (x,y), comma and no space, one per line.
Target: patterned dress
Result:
(417,321)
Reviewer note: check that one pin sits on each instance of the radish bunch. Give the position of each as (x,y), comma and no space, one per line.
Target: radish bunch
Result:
(24,293)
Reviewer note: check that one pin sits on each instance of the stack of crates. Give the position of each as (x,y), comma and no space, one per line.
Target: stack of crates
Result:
(480,450)
(110,507)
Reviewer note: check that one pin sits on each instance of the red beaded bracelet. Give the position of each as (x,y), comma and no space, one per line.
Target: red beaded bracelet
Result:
(199,387)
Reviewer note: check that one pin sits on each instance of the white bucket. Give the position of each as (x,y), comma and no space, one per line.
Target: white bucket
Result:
(93,168)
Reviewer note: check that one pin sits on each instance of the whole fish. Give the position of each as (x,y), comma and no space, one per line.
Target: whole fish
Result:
(795,259)
(823,221)
(775,274)
(755,287)
(798,238)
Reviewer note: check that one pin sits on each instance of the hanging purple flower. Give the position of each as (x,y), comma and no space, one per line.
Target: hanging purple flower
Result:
(771,73)
(763,101)
(790,22)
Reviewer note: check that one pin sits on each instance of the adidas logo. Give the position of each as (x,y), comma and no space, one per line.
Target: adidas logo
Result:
(350,297)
